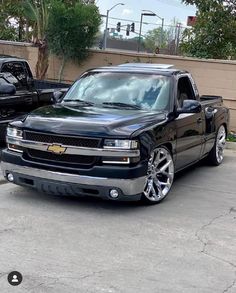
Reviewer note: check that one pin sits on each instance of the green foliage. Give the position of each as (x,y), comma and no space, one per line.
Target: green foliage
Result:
(155,38)
(213,36)
(231,137)
(7,31)
(70,27)
(37,13)
(11,10)
(72,30)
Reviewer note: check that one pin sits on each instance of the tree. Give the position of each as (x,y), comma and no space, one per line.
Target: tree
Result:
(37,12)
(156,38)
(11,11)
(7,31)
(213,36)
(72,30)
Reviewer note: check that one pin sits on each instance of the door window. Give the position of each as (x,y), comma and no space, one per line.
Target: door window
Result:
(184,91)
(17,69)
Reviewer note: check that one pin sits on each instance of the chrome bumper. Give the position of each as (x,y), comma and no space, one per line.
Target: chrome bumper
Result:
(128,186)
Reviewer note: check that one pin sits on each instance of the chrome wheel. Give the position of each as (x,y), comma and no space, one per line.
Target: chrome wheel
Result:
(160,175)
(220,144)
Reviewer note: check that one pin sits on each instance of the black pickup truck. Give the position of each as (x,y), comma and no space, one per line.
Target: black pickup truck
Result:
(19,92)
(119,133)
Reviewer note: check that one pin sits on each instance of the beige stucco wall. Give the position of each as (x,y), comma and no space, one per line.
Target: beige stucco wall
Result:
(216,77)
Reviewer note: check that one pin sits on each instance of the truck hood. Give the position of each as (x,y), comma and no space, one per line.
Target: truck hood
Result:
(90,121)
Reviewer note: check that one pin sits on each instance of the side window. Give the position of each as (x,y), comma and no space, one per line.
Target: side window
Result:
(184,91)
(28,70)
(17,69)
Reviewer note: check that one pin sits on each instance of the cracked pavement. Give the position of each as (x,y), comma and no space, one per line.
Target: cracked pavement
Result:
(184,245)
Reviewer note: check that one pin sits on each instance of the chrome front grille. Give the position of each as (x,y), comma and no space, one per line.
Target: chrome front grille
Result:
(64,159)
(62,139)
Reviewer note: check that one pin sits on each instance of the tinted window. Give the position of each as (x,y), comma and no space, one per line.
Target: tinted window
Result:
(17,69)
(185,91)
(148,92)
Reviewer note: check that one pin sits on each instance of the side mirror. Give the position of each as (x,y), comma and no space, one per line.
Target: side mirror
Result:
(56,97)
(7,89)
(190,106)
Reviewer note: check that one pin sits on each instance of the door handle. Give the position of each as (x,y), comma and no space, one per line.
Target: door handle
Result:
(199,120)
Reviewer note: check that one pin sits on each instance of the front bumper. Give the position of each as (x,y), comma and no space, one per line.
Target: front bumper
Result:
(73,184)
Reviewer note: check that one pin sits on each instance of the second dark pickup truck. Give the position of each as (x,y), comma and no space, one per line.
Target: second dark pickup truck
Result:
(119,133)
(20,93)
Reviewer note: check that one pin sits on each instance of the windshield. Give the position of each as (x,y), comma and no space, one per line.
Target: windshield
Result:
(138,91)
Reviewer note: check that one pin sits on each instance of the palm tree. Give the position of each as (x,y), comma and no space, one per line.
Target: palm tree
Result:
(37,12)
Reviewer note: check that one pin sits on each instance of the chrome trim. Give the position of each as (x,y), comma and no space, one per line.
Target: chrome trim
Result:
(15,137)
(128,186)
(73,150)
(122,148)
(14,150)
(6,121)
(116,162)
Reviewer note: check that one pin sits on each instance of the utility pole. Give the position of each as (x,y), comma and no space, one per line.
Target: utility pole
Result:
(140,32)
(141,24)
(162,31)
(178,28)
(106,28)
(162,24)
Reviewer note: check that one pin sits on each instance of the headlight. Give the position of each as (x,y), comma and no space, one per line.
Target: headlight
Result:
(14,132)
(121,144)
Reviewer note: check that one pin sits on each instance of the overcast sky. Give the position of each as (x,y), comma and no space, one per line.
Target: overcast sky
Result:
(168,9)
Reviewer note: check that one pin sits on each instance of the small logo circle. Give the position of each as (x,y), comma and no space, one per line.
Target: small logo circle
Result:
(14,278)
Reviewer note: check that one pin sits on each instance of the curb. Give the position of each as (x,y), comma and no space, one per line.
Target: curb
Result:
(231,145)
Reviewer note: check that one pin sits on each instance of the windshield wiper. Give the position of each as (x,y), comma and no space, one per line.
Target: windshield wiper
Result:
(80,102)
(122,105)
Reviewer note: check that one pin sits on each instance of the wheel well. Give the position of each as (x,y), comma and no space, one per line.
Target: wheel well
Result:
(226,129)
(169,146)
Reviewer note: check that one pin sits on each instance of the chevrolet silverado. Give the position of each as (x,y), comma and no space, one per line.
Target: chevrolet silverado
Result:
(119,133)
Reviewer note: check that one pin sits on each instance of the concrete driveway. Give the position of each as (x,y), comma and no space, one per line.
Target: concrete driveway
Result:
(186,244)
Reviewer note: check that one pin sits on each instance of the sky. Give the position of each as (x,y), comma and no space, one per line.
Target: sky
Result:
(167,9)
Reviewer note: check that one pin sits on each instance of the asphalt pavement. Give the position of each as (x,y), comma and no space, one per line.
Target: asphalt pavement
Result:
(187,244)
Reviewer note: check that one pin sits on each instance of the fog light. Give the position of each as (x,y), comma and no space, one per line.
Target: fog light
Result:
(114,193)
(10,177)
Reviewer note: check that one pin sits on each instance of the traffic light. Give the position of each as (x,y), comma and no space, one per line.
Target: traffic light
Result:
(118,26)
(128,30)
(132,28)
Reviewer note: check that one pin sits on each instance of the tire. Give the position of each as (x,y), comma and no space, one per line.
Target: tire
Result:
(160,176)
(216,155)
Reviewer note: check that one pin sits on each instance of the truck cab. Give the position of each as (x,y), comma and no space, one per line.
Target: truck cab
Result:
(20,93)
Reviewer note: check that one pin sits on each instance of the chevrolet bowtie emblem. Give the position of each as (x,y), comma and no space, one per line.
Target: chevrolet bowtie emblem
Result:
(56,149)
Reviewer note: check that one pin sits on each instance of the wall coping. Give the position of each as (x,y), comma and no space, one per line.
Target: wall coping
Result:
(135,54)
(24,44)
(162,56)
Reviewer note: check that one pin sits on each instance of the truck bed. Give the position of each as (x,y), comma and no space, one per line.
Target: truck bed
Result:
(211,98)
(45,84)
